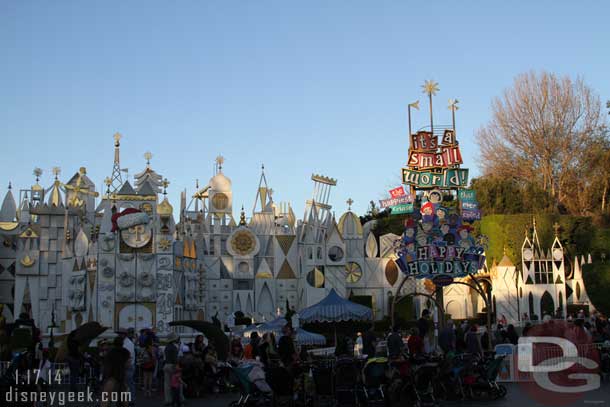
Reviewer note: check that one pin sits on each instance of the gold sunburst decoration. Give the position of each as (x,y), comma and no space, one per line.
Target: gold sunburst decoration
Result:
(243,242)
(430,87)
(354,272)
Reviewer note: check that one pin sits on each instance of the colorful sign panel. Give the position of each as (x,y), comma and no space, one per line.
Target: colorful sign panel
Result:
(402,208)
(471,214)
(439,242)
(467,195)
(397,192)
(448,178)
(387,203)
(446,157)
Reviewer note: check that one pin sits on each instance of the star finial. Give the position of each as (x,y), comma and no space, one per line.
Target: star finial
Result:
(56,171)
(147,156)
(349,202)
(430,87)
(117,138)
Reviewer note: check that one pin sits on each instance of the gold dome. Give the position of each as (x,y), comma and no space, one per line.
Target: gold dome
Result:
(165,208)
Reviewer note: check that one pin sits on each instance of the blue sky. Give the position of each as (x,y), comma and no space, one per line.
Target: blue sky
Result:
(303,87)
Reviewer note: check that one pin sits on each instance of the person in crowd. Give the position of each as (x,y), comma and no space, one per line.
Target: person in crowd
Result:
(526,329)
(369,343)
(511,334)
(114,367)
(460,332)
(74,359)
(395,343)
(415,343)
(236,353)
(342,347)
(502,321)
(447,338)
(129,345)
(485,339)
(286,349)
(499,335)
(198,347)
(473,341)
(43,375)
(268,349)
(177,384)
(171,360)
(148,363)
(251,349)
(359,344)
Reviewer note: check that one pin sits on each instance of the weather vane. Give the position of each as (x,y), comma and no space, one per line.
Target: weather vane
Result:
(37,173)
(165,184)
(453,106)
(219,161)
(430,88)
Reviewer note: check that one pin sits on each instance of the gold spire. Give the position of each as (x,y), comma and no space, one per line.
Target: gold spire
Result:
(117,139)
(147,156)
(242,217)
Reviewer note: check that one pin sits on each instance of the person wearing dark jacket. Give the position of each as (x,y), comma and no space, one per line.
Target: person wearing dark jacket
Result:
(286,348)
(369,343)
(395,344)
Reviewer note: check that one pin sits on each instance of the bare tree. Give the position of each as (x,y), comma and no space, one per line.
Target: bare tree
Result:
(542,131)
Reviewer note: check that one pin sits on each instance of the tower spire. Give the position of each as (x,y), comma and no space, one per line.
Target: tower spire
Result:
(116,181)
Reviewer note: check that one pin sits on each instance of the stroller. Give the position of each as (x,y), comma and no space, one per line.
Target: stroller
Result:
(481,384)
(424,376)
(375,378)
(323,379)
(346,382)
(282,385)
(254,390)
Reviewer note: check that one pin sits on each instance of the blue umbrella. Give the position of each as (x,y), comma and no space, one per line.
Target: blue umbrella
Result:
(309,338)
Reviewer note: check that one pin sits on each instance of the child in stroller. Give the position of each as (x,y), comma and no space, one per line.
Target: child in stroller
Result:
(253,388)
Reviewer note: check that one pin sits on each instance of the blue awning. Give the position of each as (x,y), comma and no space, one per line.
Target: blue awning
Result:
(334,308)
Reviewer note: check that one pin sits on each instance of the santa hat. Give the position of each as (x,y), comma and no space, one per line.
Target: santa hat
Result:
(427,205)
(128,218)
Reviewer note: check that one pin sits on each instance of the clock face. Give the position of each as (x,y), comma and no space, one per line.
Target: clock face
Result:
(528,254)
(557,254)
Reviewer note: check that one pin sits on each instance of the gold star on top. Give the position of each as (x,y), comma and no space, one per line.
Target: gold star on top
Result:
(56,171)
(430,87)
(117,137)
(147,156)
(414,105)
